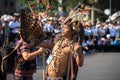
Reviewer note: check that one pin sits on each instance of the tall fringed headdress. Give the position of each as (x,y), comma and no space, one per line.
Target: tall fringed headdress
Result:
(75,17)
(30,29)
(74,21)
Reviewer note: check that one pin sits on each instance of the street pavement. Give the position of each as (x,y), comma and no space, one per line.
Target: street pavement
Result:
(97,66)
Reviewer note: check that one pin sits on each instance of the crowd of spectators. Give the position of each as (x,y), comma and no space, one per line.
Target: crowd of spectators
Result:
(99,36)
(102,36)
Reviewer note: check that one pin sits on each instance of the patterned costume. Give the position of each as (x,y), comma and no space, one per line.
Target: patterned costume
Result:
(25,69)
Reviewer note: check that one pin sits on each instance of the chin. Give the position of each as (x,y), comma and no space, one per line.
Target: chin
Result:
(63,34)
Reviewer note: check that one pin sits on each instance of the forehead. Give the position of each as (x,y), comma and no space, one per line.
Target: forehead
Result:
(65,26)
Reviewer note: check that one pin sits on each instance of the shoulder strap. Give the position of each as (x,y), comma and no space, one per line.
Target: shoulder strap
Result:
(5,57)
(70,72)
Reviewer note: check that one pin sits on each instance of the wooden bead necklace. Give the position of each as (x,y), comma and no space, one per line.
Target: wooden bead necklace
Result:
(57,53)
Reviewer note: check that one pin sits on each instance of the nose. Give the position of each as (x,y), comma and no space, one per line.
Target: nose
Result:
(63,29)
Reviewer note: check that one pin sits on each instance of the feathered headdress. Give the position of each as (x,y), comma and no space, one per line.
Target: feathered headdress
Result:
(74,21)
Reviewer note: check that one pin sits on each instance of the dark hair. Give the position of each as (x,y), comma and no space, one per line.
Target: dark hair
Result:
(78,36)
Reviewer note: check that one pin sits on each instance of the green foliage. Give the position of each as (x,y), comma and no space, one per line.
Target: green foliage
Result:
(70,4)
(43,7)
(54,3)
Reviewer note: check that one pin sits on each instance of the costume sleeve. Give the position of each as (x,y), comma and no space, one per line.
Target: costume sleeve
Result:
(23,48)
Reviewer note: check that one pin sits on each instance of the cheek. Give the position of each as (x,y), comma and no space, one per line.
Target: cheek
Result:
(66,31)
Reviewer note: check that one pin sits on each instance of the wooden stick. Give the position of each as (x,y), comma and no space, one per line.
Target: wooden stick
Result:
(43,59)
(29,6)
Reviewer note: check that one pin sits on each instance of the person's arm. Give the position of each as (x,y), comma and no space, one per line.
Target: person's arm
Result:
(30,56)
(79,57)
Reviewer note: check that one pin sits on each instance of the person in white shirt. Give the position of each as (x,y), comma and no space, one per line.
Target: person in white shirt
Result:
(94,31)
(85,46)
(14,26)
(112,31)
(101,30)
(91,44)
(1,34)
(94,34)
(48,27)
(117,34)
(108,43)
(58,29)
(87,32)
(100,44)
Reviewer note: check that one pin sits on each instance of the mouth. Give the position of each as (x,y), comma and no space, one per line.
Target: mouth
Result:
(63,33)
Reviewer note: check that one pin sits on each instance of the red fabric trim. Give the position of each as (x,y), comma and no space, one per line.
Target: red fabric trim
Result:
(24,73)
(44,2)
(32,6)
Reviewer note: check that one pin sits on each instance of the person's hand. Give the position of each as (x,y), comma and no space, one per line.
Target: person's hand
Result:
(46,44)
(41,50)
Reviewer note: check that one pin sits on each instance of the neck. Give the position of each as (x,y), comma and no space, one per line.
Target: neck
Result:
(67,38)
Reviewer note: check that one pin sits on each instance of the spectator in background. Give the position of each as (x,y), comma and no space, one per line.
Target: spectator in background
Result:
(0,46)
(85,47)
(108,43)
(112,30)
(94,33)
(101,44)
(57,29)
(14,27)
(5,34)
(117,27)
(101,30)
(91,45)
(116,41)
(48,27)
(87,32)
(116,44)
(1,33)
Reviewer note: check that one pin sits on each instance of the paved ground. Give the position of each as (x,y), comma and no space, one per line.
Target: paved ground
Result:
(101,66)
(97,66)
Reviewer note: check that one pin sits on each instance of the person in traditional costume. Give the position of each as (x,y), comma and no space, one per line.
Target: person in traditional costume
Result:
(27,49)
(66,55)
(26,60)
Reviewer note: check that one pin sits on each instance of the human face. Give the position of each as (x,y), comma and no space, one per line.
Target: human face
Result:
(66,31)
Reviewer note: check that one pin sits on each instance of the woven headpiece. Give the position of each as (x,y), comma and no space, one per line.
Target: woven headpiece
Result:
(30,29)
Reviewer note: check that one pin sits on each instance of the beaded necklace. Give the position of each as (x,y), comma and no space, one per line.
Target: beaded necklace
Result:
(57,53)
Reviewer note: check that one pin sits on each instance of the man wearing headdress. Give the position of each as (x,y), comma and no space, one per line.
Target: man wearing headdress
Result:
(66,56)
